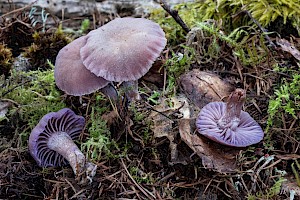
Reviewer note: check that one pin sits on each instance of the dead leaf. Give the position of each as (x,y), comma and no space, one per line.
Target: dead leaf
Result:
(290,184)
(204,87)
(162,115)
(288,47)
(214,156)
(4,105)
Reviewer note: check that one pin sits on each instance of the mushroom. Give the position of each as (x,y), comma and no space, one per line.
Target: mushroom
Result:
(72,76)
(51,142)
(123,50)
(227,124)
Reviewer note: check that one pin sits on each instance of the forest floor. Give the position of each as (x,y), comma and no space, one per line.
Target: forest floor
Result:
(150,149)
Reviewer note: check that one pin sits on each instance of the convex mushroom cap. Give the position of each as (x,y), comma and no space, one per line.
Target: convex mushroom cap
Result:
(51,141)
(123,49)
(227,124)
(71,75)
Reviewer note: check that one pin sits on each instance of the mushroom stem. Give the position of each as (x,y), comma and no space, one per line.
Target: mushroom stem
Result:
(63,144)
(234,106)
(110,91)
(131,90)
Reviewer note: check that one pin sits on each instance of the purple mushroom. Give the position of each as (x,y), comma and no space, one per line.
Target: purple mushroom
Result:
(123,50)
(227,124)
(72,76)
(51,141)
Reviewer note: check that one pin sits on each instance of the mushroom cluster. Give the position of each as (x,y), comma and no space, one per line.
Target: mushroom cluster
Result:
(227,124)
(51,142)
(122,50)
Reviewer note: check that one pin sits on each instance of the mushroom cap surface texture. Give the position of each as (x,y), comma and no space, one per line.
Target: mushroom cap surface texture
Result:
(64,120)
(123,49)
(71,75)
(240,132)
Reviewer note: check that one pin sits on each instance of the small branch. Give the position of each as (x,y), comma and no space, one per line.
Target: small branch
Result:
(18,10)
(148,194)
(174,14)
(262,29)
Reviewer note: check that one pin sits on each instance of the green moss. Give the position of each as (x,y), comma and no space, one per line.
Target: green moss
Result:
(265,12)
(228,15)
(174,33)
(35,95)
(140,176)
(296,171)
(45,47)
(99,142)
(250,49)
(177,65)
(269,193)
(285,101)
(6,60)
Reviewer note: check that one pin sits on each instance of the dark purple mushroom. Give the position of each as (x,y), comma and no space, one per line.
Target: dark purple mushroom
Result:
(123,49)
(72,77)
(51,141)
(227,124)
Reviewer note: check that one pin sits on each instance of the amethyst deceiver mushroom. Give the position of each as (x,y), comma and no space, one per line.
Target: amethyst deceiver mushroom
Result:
(123,50)
(51,141)
(72,77)
(227,124)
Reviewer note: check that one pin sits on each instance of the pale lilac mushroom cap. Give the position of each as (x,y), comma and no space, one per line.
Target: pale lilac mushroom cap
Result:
(71,75)
(227,124)
(51,141)
(123,49)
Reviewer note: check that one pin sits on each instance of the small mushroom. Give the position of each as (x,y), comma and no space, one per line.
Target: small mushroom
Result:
(123,49)
(72,76)
(227,124)
(51,141)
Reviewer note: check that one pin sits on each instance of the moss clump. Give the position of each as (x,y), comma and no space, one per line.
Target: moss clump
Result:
(34,94)
(5,60)
(16,31)
(283,113)
(269,193)
(265,12)
(286,101)
(230,15)
(99,142)
(46,47)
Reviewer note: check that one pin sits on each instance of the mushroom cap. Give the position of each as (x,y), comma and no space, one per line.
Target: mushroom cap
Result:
(246,130)
(123,49)
(71,75)
(64,120)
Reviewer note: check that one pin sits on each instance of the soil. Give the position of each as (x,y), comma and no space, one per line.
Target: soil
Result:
(160,156)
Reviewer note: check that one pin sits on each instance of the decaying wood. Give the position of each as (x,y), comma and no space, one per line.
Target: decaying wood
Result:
(85,7)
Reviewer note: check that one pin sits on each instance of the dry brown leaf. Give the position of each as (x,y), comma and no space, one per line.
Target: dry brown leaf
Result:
(4,105)
(162,126)
(204,87)
(288,47)
(214,156)
(289,185)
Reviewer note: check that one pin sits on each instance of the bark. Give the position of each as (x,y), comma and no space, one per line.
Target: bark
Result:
(86,7)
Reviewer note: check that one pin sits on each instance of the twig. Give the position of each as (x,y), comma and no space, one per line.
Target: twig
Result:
(144,191)
(19,9)
(10,90)
(262,29)
(174,14)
